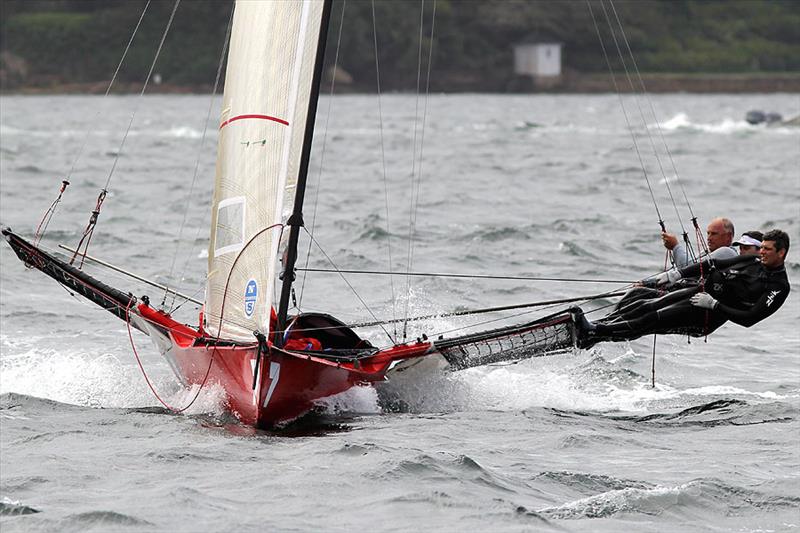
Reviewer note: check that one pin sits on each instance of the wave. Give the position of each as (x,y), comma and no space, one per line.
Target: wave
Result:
(591,483)
(658,500)
(726,126)
(9,507)
(102,519)
(185,132)
(497,233)
(719,412)
(176,132)
(444,466)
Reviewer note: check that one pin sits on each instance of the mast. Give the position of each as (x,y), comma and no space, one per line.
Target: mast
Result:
(295,221)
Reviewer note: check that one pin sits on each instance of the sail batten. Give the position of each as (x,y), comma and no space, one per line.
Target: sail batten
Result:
(267,92)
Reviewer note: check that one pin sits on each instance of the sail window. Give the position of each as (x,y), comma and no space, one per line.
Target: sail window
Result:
(229,236)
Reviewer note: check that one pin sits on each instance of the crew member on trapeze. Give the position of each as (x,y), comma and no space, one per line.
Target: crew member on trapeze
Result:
(719,235)
(744,289)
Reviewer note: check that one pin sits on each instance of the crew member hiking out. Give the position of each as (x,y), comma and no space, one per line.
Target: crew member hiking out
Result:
(719,235)
(745,289)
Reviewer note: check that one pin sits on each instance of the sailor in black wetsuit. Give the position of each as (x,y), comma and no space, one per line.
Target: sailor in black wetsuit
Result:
(744,290)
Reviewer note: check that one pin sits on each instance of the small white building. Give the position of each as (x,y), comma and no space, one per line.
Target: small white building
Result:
(537,60)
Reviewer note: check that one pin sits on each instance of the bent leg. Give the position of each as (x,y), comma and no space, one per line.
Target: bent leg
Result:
(642,307)
(631,300)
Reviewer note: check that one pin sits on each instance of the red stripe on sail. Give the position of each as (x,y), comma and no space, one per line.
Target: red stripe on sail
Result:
(260,117)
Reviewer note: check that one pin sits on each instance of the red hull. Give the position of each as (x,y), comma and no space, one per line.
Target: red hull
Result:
(288,384)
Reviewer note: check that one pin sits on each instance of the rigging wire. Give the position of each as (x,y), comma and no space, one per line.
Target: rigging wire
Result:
(141,93)
(412,215)
(660,129)
(468,276)
(324,145)
(625,114)
(639,107)
(197,167)
(383,163)
(542,306)
(48,216)
(89,231)
(468,312)
(111,83)
(523,313)
(360,299)
(422,132)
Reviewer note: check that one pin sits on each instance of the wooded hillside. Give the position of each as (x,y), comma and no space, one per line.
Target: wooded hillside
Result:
(57,42)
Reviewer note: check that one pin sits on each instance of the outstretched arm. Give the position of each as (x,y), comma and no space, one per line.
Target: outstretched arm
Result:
(769,302)
(693,271)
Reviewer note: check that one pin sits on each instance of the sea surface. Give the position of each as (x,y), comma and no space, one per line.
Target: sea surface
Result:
(527,185)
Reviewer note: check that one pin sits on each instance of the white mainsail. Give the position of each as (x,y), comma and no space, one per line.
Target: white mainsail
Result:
(267,90)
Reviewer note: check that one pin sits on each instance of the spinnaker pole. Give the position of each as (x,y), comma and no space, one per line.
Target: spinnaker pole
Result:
(295,221)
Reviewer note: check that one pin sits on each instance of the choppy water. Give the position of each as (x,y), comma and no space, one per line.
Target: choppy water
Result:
(516,185)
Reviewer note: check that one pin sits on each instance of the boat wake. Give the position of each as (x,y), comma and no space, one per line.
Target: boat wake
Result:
(577,385)
(586,387)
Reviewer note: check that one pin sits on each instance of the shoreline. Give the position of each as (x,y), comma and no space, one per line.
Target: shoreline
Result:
(569,83)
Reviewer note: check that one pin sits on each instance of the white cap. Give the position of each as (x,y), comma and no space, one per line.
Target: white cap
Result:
(747,240)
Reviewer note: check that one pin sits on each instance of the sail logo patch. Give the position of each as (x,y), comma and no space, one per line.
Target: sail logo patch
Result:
(250,296)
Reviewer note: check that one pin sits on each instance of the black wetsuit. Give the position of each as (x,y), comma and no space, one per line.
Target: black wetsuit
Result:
(746,293)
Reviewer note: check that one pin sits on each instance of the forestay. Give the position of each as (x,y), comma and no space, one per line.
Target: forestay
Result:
(265,105)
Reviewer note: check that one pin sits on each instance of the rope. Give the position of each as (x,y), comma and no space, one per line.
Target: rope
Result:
(544,305)
(48,215)
(496,309)
(214,350)
(89,230)
(87,233)
(625,113)
(702,243)
(412,215)
(652,109)
(638,105)
(147,379)
(324,145)
(383,163)
(653,364)
(45,222)
(467,276)
(141,93)
(230,273)
(701,239)
(197,167)
(703,289)
(360,299)
(413,168)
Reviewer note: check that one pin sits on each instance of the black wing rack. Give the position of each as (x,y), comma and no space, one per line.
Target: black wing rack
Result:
(545,336)
(109,298)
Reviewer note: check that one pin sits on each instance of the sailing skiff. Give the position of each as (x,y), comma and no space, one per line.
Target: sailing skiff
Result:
(274,366)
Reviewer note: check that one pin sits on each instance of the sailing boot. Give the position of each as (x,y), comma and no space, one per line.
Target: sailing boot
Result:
(585,330)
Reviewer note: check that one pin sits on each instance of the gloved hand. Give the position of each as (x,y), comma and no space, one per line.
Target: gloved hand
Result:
(704,300)
(664,279)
